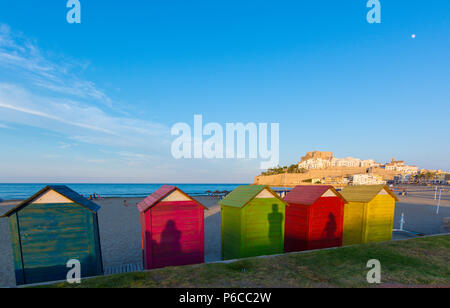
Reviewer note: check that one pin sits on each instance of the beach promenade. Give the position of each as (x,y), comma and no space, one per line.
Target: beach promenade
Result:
(121,238)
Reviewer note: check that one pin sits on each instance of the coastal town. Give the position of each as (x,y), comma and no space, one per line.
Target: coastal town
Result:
(323,168)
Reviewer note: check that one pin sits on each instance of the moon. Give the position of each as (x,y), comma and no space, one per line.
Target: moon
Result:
(413,36)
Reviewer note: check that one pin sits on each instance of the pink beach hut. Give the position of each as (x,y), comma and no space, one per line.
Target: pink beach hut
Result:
(172,228)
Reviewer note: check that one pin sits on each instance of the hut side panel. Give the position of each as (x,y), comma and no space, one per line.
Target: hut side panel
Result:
(96,242)
(354,214)
(51,235)
(16,249)
(264,227)
(177,234)
(326,222)
(231,232)
(296,230)
(380,219)
(145,233)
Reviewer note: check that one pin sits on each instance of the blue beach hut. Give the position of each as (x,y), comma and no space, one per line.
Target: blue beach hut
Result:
(50,228)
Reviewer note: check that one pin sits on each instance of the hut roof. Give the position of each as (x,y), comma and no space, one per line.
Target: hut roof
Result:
(365,193)
(309,194)
(61,189)
(160,194)
(244,194)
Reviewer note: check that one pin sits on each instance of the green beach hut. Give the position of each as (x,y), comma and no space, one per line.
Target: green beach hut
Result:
(50,228)
(252,222)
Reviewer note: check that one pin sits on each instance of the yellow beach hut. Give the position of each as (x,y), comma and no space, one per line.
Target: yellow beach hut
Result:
(369,214)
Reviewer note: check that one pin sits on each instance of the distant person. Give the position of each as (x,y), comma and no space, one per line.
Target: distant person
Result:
(125,203)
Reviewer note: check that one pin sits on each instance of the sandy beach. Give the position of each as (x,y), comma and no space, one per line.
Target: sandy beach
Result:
(121,239)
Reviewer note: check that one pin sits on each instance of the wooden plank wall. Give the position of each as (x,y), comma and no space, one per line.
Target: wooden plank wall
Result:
(51,235)
(354,217)
(325,223)
(380,219)
(296,228)
(16,249)
(176,235)
(264,227)
(231,232)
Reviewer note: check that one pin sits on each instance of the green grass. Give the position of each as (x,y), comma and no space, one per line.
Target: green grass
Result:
(416,262)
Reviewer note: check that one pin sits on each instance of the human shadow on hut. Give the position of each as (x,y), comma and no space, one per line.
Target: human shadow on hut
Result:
(169,250)
(275,219)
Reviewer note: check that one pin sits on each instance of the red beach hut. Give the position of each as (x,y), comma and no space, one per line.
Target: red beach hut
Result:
(314,218)
(172,227)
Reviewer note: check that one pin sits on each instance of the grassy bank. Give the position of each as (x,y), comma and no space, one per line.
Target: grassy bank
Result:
(417,262)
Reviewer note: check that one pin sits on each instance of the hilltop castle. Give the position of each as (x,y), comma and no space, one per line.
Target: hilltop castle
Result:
(323,167)
(323,160)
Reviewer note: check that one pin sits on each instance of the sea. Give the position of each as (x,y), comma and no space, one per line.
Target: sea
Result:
(23,191)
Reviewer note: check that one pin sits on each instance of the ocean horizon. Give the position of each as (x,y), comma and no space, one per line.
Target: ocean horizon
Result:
(20,191)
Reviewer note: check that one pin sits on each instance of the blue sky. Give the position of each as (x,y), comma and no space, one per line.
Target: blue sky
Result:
(95,102)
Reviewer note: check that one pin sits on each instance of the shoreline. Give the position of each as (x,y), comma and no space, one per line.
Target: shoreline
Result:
(111,198)
(417,194)
(21,191)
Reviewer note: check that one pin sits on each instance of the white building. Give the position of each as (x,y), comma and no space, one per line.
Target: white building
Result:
(346,162)
(314,163)
(369,163)
(319,163)
(401,167)
(408,169)
(367,179)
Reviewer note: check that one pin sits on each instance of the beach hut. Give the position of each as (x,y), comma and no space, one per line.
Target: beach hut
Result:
(369,214)
(172,228)
(252,222)
(50,228)
(314,218)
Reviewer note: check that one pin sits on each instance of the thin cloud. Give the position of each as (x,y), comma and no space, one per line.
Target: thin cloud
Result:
(80,121)
(134,159)
(21,55)
(51,156)
(52,117)
(4,126)
(83,112)
(63,145)
(97,161)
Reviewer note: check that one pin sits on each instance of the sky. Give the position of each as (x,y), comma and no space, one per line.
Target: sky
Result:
(96,101)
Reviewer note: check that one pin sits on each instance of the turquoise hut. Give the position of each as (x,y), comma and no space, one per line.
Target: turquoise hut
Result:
(50,228)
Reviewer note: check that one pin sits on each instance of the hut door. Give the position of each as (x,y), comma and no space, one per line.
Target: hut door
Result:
(354,222)
(51,235)
(177,234)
